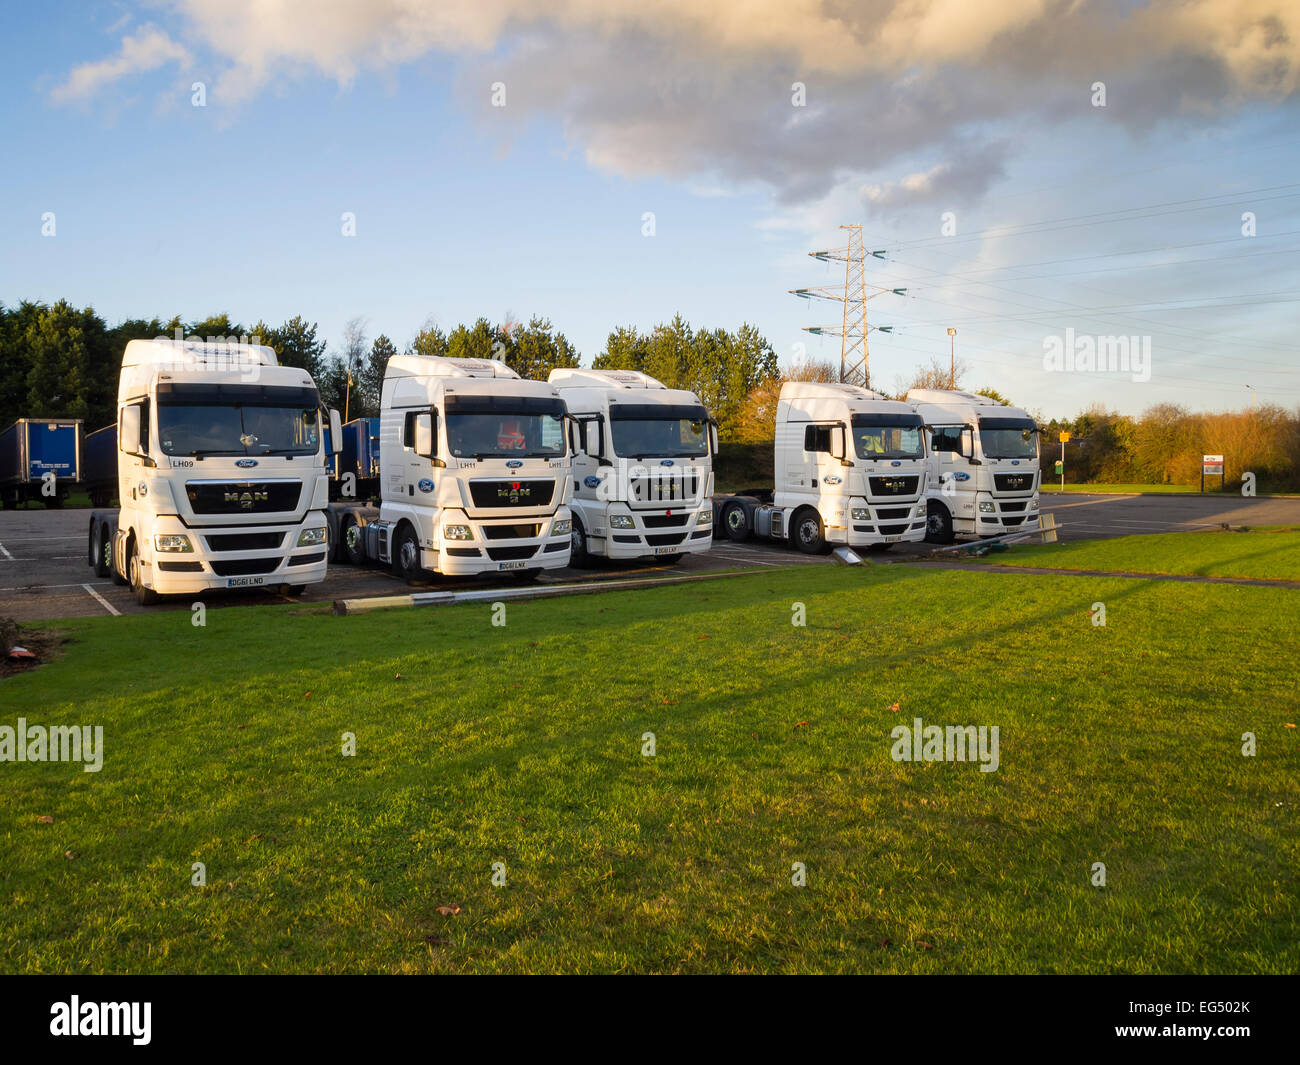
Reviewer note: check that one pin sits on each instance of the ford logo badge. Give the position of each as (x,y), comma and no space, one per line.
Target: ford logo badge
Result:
(246,464)
(513,464)
(425,485)
(895,463)
(961,476)
(666,462)
(830,480)
(591,482)
(1015,462)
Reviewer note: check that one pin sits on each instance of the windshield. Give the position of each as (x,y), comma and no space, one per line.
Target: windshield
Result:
(1016,442)
(505,434)
(886,437)
(659,438)
(212,429)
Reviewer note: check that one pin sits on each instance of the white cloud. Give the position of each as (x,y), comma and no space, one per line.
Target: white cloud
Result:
(140,53)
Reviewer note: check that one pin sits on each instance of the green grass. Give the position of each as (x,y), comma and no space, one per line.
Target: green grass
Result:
(1270,554)
(522,744)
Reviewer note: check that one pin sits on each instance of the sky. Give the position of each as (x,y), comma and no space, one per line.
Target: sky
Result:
(1036,174)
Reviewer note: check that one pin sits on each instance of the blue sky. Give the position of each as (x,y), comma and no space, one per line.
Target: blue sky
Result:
(1123,220)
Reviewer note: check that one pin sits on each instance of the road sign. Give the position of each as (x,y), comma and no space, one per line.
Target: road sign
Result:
(1212,465)
(1065,437)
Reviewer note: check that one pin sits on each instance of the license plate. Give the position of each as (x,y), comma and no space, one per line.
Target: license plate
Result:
(667,550)
(892,539)
(512,565)
(245,582)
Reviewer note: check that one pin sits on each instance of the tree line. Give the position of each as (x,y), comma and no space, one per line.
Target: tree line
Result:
(57,360)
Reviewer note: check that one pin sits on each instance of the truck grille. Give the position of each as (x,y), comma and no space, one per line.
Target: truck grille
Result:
(259,541)
(893,512)
(665,539)
(511,554)
(244,567)
(509,532)
(1013,482)
(893,530)
(536,492)
(665,487)
(893,486)
(243,497)
(1015,508)
(665,521)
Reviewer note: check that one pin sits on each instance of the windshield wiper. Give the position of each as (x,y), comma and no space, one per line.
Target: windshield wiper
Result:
(213,451)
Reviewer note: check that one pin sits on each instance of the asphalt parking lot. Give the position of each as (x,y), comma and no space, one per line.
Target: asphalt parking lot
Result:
(43,570)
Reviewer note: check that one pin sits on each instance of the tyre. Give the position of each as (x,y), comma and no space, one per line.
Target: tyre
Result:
(735,522)
(135,571)
(808,534)
(938,524)
(354,548)
(578,556)
(406,555)
(101,551)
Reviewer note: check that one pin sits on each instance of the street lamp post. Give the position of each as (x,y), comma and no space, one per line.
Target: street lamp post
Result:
(952,358)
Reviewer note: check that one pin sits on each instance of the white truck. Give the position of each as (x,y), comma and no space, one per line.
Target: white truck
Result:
(221,472)
(474,473)
(643,467)
(984,473)
(850,469)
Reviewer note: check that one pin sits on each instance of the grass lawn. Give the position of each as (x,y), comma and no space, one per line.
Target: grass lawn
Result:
(1264,553)
(523,745)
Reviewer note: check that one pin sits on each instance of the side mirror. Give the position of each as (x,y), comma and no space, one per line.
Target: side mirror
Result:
(713,438)
(838,444)
(129,435)
(968,443)
(424,435)
(335,442)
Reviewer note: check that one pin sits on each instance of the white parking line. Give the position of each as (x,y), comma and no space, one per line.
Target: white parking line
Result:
(45,587)
(103,602)
(41,539)
(5,551)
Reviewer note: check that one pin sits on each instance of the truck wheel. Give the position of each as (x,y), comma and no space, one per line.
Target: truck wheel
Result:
(101,550)
(808,535)
(354,547)
(578,556)
(938,524)
(144,596)
(406,555)
(735,522)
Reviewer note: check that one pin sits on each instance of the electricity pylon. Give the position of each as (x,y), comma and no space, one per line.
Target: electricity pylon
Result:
(853,328)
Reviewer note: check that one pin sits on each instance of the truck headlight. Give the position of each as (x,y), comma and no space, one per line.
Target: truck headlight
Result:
(311,537)
(621,521)
(173,542)
(986,507)
(562,527)
(457,532)
(861,514)
(1033,504)
(705,517)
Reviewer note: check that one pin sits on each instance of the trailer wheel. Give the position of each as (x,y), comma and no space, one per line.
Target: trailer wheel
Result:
(144,596)
(354,547)
(406,555)
(938,524)
(808,535)
(736,522)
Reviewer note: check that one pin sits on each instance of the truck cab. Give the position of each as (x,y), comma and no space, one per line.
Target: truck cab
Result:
(643,468)
(983,463)
(221,472)
(474,473)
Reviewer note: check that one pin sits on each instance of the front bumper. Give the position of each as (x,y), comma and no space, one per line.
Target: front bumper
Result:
(673,531)
(234,557)
(1008,516)
(886,523)
(491,550)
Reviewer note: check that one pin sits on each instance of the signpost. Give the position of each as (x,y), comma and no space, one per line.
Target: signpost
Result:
(1060,466)
(1212,465)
